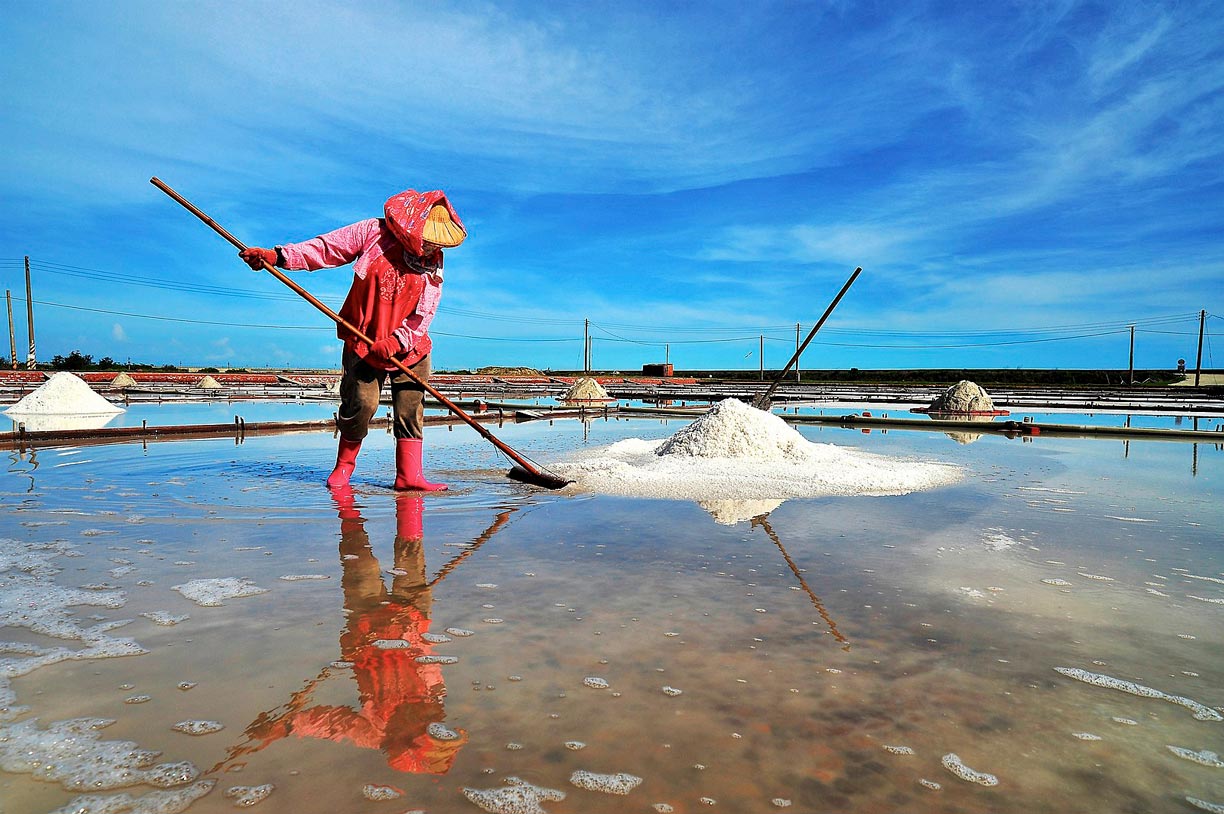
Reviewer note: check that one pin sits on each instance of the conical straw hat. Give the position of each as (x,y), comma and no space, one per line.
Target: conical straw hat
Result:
(440,230)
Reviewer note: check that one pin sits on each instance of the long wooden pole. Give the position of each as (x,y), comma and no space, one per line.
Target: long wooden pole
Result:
(526,470)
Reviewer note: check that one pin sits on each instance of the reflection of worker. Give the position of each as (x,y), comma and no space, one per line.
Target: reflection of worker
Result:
(397,284)
(400,700)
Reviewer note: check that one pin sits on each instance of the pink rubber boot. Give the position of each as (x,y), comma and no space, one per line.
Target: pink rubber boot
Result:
(346,462)
(408,473)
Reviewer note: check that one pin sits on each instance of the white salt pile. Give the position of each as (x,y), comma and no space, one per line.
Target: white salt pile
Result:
(963,397)
(63,394)
(122,380)
(586,389)
(209,383)
(737,452)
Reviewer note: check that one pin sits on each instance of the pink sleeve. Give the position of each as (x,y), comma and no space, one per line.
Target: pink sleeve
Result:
(337,248)
(416,324)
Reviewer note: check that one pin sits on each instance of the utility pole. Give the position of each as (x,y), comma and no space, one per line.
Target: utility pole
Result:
(1132,355)
(8,296)
(31,361)
(761,353)
(586,346)
(797,376)
(1198,363)
(666,353)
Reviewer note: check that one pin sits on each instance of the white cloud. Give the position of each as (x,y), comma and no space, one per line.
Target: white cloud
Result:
(118,334)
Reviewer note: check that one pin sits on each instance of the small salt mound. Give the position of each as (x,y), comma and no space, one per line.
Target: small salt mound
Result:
(63,393)
(123,380)
(209,383)
(586,389)
(736,452)
(963,397)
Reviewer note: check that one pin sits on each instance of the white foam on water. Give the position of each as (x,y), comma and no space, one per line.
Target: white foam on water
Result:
(213,592)
(165,618)
(998,540)
(442,732)
(301,577)
(63,394)
(737,452)
(898,750)
(520,797)
(198,727)
(1203,758)
(377,793)
(1206,599)
(246,796)
(1201,712)
(432,659)
(954,764)
(72,754)
(1213,808)
(620,783)
(595,683)
(1086,736)
(30,600)
(170,801)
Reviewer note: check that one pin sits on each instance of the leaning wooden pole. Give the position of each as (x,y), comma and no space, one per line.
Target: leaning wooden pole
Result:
(764,400)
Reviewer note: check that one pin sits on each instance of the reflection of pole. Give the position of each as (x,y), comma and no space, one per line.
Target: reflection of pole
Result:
(31,362)
(8,297)
(1198,363)
(763,522)
(485,536)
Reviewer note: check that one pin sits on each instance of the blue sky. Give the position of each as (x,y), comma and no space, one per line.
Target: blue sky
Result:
(1019,181)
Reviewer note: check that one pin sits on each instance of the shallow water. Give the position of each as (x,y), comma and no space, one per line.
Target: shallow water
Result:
(807,646)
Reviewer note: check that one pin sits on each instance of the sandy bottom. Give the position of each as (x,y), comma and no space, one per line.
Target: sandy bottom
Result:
(822,654)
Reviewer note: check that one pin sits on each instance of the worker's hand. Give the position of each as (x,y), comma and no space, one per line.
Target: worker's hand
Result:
(382,350)
(255,257)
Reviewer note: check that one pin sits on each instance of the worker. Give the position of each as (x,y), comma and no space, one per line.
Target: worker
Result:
(397,283)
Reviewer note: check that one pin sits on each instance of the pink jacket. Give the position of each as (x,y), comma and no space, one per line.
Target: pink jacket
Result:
(361,244)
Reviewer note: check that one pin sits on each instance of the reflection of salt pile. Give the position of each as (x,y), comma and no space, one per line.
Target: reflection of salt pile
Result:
(963,397)
(730,512)
(63,402)
(586,389)
(736,452)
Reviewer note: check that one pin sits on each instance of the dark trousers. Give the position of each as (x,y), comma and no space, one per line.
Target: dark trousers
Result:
(361,388)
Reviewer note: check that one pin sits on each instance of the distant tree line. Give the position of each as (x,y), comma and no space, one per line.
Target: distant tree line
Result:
(85,361)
